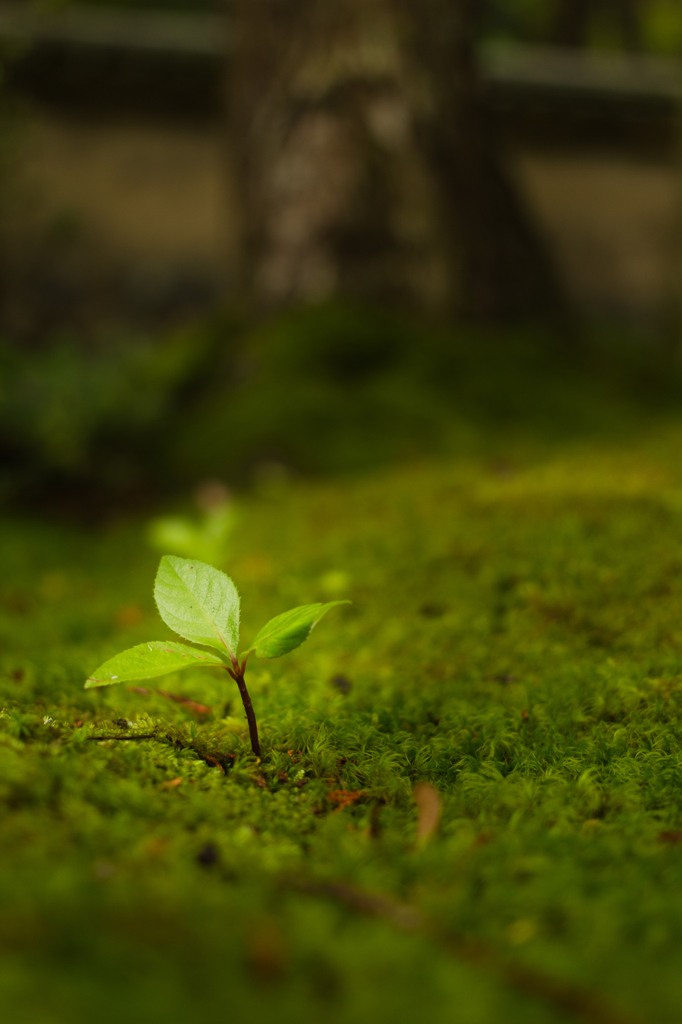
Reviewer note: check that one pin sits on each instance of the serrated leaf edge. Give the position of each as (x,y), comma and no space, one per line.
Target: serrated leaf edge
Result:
(211,624)
(325,607)
(92,683)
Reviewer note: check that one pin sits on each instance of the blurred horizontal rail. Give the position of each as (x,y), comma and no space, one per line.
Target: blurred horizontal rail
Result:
(149,31)
(563,71)
(171,64)
(95,62)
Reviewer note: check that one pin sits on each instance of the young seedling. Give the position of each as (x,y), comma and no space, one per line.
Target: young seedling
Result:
(206,538)
(201,604)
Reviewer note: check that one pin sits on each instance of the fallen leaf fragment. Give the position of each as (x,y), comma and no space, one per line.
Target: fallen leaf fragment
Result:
(172,784)
(591,825)
(430,808)
(155,847)
(345,797)
(673,838)
(265,951)
(191,705)
(128,615)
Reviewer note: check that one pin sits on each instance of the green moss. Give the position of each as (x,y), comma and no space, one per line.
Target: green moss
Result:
(515,639)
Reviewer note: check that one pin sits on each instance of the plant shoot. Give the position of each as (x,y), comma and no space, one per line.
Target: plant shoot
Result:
(202,605)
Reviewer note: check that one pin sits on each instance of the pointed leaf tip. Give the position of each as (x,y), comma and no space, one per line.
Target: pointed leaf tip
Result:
(289,630)
(198,602)
(155,658)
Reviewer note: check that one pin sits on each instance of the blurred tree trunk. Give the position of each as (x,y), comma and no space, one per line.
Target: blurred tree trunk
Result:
(365,166)
(573,21)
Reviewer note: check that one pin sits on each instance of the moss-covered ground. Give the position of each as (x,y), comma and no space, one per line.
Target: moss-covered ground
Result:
(515,640)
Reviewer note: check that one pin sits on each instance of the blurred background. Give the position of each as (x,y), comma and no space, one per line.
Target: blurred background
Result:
(252,239)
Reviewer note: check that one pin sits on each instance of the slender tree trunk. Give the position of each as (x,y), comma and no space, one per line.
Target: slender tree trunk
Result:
(571,22)
(365,167)
(573,17)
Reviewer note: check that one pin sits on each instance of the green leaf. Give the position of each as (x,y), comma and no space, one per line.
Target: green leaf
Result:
(287,631)
(198,602)
(145,661)
(172,533)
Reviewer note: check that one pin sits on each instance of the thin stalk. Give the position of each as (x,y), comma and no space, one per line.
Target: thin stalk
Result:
(238,676)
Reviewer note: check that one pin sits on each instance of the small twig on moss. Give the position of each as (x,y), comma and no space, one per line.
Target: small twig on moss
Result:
(143,736)
(215,762)
(587,1006)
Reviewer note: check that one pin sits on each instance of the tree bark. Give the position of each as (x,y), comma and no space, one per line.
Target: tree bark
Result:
(365,166)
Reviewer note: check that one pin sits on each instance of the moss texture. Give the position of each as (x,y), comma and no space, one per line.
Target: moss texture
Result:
(515,640)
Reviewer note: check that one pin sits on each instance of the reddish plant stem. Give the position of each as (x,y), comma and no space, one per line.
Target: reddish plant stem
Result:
(238,676)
